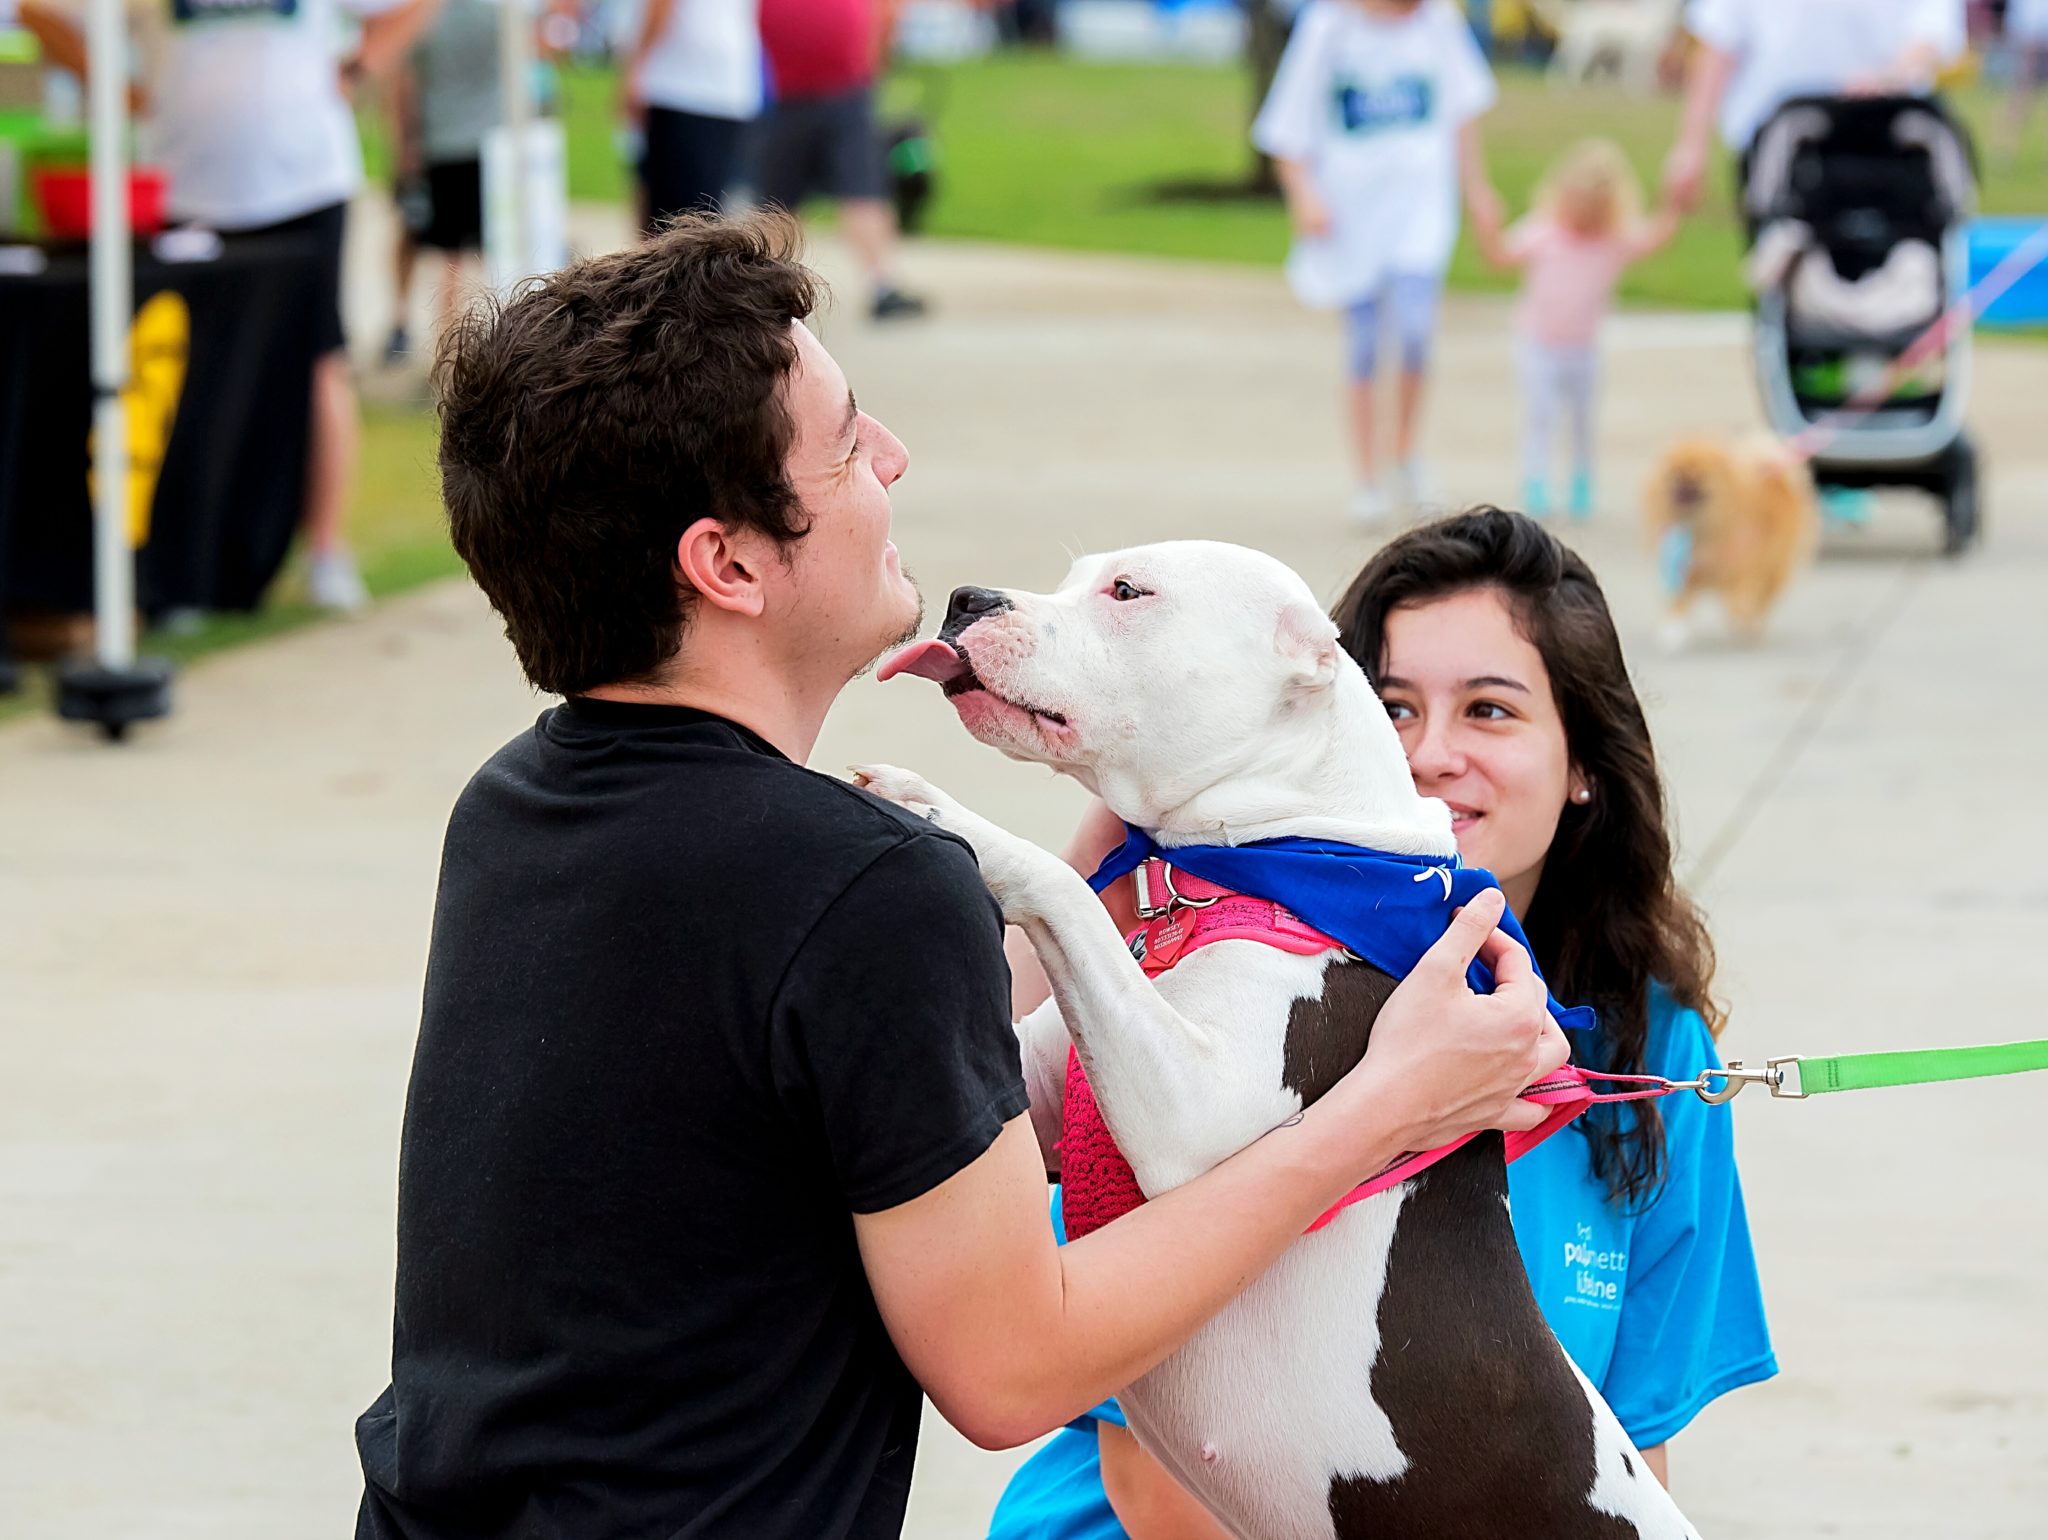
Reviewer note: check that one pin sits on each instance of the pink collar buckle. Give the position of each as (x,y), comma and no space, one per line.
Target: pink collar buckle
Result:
(1183,913)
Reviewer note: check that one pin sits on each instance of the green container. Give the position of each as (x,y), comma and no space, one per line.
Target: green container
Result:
(29,145)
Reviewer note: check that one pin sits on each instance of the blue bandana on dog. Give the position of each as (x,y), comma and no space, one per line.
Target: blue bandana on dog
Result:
(1388,909)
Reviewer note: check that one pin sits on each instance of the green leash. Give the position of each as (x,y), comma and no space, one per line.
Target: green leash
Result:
(1794,1077)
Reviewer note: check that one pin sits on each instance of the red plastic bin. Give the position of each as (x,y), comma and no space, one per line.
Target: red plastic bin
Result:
(64,197)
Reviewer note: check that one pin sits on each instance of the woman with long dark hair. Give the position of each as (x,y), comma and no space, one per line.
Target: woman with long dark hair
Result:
(1458,625)
(1491,645)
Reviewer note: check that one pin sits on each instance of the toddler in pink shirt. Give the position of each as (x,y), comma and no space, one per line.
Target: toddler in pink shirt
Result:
(1583,232)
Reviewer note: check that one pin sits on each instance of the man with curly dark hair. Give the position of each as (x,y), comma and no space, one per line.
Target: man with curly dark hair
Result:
(716,1150)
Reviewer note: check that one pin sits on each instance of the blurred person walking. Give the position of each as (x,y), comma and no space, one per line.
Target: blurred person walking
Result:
(690,87)
(818,136)
(1756,55)
(2026,34)
(250,103)
(1372,126)
(446,99)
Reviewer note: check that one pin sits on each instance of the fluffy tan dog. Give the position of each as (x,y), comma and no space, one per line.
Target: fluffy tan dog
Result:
(1735,519)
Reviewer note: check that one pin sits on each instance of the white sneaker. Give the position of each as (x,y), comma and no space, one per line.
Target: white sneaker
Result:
(333,583)
(1412,487)
(1368,504)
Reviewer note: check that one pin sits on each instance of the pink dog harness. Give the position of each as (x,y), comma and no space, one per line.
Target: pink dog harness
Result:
(1182,913)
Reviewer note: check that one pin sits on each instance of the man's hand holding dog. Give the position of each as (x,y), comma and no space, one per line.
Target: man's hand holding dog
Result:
(1444,1060)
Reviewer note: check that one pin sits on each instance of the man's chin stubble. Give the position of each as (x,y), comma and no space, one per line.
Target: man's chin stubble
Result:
(907,635)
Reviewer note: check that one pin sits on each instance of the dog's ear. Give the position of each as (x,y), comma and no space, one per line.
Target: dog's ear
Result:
(1307,639)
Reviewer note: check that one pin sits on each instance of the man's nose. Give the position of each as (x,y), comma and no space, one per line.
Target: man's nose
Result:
(892,460)
(971,604)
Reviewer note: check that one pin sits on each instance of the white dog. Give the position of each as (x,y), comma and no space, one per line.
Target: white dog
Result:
(1391,1375)
(1627,36)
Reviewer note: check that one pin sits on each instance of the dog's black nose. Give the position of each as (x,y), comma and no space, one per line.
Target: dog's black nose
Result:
(971,604)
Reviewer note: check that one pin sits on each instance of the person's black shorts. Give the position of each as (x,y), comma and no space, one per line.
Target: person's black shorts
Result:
(689,162)
(322,231)
(820,146)
(454,207)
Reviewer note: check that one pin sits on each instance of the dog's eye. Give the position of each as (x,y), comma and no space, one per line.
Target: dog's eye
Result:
(1123,590)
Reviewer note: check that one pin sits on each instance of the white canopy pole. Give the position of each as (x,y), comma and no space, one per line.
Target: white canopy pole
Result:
(113,304)
(515,89)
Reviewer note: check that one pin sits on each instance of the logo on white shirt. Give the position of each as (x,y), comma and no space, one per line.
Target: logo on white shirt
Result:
(185,12)
(1398,103)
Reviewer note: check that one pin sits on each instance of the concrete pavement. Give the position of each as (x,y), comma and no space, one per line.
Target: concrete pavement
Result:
(214,936)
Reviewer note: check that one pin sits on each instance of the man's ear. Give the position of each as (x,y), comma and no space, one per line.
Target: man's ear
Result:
(1307,639)
(711,560)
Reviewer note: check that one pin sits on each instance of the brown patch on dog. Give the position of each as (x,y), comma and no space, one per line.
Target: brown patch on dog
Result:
(1326,1037)
(1500,1438)
(1498,1434)
(1750,509)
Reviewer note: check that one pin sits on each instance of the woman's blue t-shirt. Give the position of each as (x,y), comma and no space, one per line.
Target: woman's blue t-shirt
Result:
(1661,1309)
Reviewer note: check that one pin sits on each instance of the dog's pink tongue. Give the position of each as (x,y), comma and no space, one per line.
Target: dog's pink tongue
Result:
(932,659)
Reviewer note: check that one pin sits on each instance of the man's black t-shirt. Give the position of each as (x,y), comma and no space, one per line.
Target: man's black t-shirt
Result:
(689,1007)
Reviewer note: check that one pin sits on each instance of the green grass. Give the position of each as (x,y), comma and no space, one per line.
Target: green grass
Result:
(1037,149)
(1044,151)
(1040,150)
(589,109)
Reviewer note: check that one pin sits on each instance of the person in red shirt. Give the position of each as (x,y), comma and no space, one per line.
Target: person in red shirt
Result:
(818,136)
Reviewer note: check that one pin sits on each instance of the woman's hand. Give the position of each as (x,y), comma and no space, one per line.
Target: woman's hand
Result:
(1913,70)
(1685,171)
(1489,209)
(1445,1061)
(632,108)
(1309,213)
(1306,209)
(1489,219)
(1483,201)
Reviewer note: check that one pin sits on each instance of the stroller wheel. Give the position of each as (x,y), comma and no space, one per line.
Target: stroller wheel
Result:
(1960,510)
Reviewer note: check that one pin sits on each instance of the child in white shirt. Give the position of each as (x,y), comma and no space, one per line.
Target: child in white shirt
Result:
(1371,124)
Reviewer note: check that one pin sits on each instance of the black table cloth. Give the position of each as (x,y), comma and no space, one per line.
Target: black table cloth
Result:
(232,484)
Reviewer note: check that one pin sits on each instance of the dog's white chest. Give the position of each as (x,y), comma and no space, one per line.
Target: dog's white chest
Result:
(1274,1395)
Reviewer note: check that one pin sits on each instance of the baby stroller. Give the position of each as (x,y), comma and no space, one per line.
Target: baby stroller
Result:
(1858,212)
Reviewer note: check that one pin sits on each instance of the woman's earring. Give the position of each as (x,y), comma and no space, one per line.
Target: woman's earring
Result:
(1583,795)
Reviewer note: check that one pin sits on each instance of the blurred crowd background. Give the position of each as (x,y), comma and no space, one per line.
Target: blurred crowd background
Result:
(1110,125)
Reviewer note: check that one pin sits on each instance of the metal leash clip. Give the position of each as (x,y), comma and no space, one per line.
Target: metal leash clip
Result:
(1737,1075)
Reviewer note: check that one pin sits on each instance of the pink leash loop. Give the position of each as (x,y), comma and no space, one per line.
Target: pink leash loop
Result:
(1566,1091)
(1099,1183)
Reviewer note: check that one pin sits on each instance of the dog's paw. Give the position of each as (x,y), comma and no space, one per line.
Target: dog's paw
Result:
(1012,867)
(908,790)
